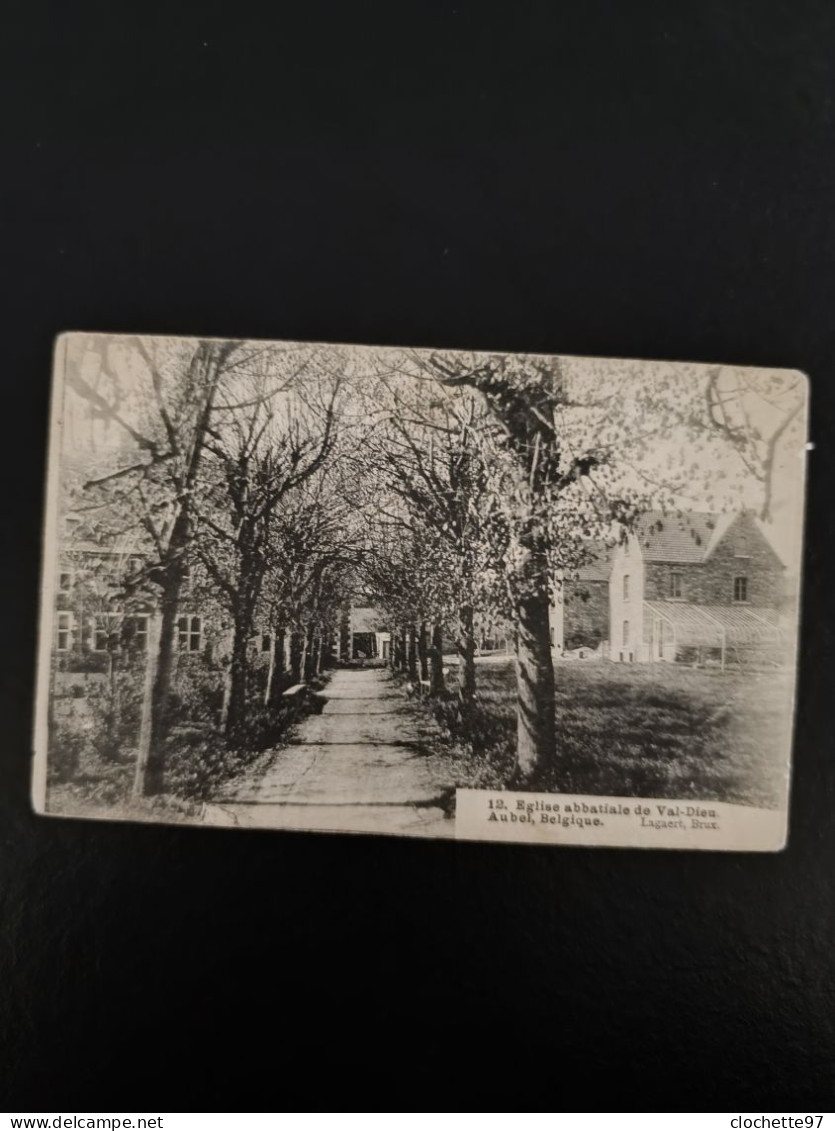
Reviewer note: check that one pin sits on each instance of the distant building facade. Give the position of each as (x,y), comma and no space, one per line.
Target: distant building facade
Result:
(580,611)
(692,583)
(681,585)
(364,634)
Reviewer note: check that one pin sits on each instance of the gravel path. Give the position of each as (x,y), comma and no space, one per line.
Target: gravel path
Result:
(357,767)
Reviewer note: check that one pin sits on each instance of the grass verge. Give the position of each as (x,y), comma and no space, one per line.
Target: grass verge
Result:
(199,762)
(658,730)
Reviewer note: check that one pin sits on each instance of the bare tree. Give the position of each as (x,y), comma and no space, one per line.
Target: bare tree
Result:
(158,465)
(411,572)
(312,554)
(428,456)
(757,413)
(260,450)
(570,458)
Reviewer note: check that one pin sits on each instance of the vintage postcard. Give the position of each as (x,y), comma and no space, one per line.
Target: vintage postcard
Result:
(474,595)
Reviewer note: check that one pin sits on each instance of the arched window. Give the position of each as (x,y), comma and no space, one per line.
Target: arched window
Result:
(190,634)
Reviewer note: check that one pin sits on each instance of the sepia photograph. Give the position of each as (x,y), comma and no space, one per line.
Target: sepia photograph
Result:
(420,592)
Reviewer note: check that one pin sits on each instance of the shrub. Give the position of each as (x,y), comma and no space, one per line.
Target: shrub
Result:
(196,694)
(66,749)
(116,718)
(583,639)
(196,763)
(199,760)
(267,726)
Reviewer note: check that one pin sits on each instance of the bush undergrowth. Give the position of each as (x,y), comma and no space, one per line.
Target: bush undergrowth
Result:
(92,755)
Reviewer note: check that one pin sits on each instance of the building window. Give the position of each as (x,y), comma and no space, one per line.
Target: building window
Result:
(190,634)
(551,636)
(626,587)
(740,588)
(137,632)
(101,631)
(675,585)
(626,634)
(133,570)
(64,629)
(65,581)
(266,642)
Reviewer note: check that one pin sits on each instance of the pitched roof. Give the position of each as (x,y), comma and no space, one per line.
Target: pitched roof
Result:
(686,537)
(596,567)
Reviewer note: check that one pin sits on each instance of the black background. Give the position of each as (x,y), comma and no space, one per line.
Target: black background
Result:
(643,179)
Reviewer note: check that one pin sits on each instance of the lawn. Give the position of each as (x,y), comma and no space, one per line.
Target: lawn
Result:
(658,730)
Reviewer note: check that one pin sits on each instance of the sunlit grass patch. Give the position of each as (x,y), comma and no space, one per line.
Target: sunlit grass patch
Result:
(657,730)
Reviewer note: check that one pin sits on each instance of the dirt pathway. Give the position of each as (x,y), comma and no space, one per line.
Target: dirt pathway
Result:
(356,767)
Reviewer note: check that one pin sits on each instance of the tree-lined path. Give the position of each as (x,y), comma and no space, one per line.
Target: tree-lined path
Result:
(359,765)
(227,501)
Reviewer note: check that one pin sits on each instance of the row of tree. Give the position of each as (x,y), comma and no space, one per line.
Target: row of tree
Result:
(500,471)
(458,488)
(221,470)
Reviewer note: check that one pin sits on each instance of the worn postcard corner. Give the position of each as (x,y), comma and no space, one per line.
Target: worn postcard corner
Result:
(429,593)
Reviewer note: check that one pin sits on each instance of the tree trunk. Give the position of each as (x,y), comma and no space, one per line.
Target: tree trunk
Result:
(113,706)
(148,777)
(437,685)
(268,686)
(316,658)
(466,654)
(412,660)
(227,694)
(296,649)
(152,742)
(239,669)
(304,664)
(272,694)
(423,651)
(150,764)
(404,649)
(535,705)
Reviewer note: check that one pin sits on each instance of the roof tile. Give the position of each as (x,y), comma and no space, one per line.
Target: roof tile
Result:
(681,537)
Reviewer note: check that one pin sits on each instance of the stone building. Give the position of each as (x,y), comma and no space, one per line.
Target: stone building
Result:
(694,584)
(580,612)
(363,632)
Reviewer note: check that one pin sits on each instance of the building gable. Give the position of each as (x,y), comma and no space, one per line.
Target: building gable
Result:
(693,537)
(735,566)
(743,538)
